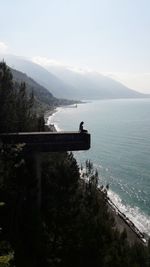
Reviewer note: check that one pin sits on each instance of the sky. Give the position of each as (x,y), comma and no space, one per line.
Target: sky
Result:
(108,36)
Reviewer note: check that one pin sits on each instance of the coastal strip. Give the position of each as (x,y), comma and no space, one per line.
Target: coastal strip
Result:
(49,114)
(50,126)
(122,222)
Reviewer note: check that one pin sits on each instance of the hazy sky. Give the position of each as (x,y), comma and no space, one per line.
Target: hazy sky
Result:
(110,36)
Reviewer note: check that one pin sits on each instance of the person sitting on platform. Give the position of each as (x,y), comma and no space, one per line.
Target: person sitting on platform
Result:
(81,130)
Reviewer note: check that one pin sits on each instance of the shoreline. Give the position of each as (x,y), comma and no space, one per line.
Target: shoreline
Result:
(122,222)
(134,235)
(48,114)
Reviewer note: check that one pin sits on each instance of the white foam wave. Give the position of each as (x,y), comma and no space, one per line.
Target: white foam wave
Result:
(139,218)
(52,120)
(58,129)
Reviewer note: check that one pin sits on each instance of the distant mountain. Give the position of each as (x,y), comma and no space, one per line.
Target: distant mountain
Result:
(66,83)
(44,100)
(93,85)
(57,87)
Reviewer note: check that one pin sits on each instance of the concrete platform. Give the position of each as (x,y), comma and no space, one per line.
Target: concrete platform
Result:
(48,141)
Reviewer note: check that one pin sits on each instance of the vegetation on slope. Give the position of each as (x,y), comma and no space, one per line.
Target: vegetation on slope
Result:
(43,99)
(73,227)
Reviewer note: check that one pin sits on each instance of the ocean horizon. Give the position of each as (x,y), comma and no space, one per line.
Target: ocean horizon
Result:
(120,150)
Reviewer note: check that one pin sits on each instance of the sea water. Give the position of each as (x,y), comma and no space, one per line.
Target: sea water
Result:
(120,150)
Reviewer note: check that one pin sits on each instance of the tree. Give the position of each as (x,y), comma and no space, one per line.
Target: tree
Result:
(7,100)
(26,118)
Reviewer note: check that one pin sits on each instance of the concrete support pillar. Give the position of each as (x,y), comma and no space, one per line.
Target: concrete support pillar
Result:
(36,157)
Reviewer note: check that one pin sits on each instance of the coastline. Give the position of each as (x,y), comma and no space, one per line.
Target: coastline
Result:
(48,114)
(122,222)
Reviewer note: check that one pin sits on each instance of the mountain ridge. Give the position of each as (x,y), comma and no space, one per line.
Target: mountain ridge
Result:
(44,100)
(65,83)
(42,76)
(98,85)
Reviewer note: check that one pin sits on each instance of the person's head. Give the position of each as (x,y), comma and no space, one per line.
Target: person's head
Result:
(82,122)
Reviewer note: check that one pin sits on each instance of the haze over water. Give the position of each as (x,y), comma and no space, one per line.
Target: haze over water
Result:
(120,150)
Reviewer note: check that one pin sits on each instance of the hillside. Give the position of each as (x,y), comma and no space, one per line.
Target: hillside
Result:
(48,80)
(41,94)
(72,226)
(93,85)
(66,83)
(44,99)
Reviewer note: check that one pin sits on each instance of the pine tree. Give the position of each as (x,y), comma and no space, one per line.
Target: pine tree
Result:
(26,118)
(7,100)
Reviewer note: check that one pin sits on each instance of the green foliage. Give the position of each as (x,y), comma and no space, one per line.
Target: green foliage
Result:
(44,100)
(5,260)
(73,227)
(6,254)
(17,111)
(7,99)
(79,230)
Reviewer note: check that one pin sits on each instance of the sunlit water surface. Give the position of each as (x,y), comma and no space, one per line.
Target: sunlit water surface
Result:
(120,150)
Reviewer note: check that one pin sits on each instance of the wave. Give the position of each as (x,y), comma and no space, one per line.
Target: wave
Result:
(139,218)
(58,129)
(52,120)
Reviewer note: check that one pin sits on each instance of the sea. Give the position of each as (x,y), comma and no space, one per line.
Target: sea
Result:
(120,150)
